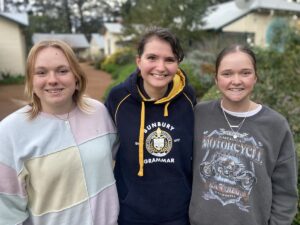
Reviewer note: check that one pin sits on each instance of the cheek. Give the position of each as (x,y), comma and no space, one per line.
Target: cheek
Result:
(37,84)
(172,69)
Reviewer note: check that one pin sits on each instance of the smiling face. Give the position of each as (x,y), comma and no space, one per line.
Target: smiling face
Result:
(53,81)
(235,79)
(158,65)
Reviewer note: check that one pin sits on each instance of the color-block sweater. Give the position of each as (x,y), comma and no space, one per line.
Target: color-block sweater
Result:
(58,172)
(154,161)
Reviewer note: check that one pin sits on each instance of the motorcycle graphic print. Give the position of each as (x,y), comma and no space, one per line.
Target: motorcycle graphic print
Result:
(227,168)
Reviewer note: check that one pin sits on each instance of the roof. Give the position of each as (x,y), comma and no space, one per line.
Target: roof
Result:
(98,39)
(114,27)
(220,15)
(20,18)
(74,40)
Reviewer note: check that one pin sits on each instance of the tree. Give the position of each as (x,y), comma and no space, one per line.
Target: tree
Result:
(73,15)
(183,17)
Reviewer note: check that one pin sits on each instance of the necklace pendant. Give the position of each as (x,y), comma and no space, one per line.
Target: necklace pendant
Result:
(235,136)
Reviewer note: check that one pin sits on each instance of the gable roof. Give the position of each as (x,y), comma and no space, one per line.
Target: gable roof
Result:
(98,39)
(113,27)
(20,18)
(220,15)
(74,40)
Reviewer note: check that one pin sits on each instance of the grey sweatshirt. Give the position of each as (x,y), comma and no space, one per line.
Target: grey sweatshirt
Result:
(243,178)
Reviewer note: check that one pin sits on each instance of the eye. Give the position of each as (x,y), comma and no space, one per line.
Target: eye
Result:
(40,73)
(63,71)
(226,73)
(151,57)
(246,73)
(171,60)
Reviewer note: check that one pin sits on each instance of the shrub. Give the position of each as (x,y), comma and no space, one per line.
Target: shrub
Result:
(123,73)
(8,78)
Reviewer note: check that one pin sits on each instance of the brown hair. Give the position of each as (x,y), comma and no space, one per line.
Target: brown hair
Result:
(163,34)
(78,96)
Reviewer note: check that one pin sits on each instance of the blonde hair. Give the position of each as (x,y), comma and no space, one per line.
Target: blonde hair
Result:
(78,96)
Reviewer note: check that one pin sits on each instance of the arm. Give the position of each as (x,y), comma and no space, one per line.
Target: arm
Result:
(13,196)
(284,184)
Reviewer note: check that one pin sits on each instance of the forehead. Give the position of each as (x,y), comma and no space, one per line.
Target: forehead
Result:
(156,43)
(50,55)
(237,59)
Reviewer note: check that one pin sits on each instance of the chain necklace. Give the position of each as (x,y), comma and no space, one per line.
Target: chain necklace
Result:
(239,126)
(61,118)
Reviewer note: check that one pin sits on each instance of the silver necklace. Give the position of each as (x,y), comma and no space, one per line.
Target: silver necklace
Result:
(61,118)
(239,126)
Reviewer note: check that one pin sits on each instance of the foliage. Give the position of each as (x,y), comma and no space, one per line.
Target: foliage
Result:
(8,78)
(279,79)
(119,58)
(183,17)
(123,72)
(199,81)
(44,24)
(66,16)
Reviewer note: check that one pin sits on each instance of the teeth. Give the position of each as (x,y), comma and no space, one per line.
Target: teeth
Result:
(54,90)
(159,75)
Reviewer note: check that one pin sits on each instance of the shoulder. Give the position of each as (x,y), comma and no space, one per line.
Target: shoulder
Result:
(206,105)
(190,94)
(118,91)
(94,103)
(275,118)
(97,108)
(16,118)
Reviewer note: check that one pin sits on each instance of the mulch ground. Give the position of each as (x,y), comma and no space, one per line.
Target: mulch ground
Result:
(12,96)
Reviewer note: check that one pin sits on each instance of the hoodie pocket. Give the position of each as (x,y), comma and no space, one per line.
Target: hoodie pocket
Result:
(156,200)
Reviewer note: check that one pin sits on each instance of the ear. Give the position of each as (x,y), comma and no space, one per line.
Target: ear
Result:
(216,81)
(138,61)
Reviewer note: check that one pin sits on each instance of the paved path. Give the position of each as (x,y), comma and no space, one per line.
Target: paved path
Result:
(12,96)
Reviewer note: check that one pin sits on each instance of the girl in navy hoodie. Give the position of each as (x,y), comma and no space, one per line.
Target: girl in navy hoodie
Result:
(153,112)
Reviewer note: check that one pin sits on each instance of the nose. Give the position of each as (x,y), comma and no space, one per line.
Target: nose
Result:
(236,79)
(52,79)
(160,66)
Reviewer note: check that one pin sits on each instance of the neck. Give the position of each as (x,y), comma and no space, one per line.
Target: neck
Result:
(60,110)
(155,93)
(238,107)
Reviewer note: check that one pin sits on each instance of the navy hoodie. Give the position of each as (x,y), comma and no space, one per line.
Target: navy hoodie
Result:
(153,167)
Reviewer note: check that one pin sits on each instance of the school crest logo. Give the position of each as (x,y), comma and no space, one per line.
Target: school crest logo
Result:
(159,143)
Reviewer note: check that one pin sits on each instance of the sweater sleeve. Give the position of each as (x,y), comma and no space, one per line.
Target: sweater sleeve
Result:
(13,196)
(284,184)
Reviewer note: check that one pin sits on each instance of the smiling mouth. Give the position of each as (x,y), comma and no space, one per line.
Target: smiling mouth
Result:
(236,89)
(159,75)
(54,90)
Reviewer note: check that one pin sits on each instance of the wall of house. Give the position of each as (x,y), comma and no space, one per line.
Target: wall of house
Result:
(256,23)
(95,51)
(12,48)
(110,40)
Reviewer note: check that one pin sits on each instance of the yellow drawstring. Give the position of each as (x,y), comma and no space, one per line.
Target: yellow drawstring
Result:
(166,112)
(141,141)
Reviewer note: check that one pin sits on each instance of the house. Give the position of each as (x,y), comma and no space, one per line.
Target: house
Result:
(253,19)
(112,37)
(12,43)
(96,46)
(78,42)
